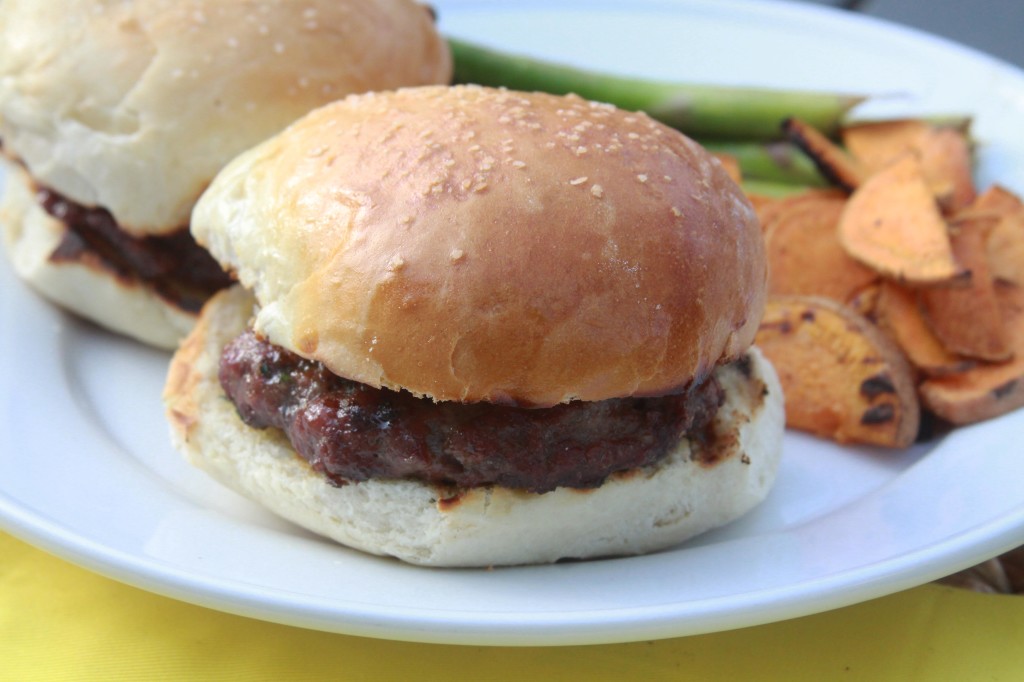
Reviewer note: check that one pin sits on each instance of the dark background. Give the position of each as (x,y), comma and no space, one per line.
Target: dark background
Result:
(992,26)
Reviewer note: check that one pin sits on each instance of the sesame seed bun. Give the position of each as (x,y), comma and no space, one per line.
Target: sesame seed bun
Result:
(475,244)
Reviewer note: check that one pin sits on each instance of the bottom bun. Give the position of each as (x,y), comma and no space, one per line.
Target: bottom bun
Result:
(634,512)
(31,235)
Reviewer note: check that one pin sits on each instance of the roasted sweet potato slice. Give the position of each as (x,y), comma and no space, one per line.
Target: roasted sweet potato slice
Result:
(986,390)
(1005,249)
(768,209)
(831,160)
(943,150)
(967,319)
(999,200)
(898,313)
(804,255)
(1005,244)
(892,224)
(842,377)
(865,301)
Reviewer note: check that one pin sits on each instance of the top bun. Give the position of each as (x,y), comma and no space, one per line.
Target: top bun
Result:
(134,106)
(476,244)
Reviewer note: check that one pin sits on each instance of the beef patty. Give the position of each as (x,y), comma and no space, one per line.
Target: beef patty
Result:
(354,432)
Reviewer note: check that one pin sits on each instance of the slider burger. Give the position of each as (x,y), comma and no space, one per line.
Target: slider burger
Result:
(115,116)
(478,327)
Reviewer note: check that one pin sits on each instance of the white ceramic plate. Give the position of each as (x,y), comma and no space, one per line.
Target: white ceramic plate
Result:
(87,473)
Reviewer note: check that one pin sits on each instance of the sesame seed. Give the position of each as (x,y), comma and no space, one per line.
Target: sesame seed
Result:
(579,181)
(642,177)
(597,191)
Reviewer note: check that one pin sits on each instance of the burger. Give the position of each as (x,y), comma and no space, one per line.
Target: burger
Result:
(478,327)
(115,116)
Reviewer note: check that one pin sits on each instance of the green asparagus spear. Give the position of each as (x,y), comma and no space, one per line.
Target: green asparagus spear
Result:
(775,190)
(701,111)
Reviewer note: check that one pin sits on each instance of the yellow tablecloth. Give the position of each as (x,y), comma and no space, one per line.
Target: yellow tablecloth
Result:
(61,622)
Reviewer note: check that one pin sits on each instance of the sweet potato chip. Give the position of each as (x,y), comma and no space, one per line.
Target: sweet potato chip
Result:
(804,255)
(1005,244)
(944,152)
(892,224)
(768,209)
(999,200)
(843,379)
(946,155)
(1005,248)
(988,389)
(865,301)
(898,313)
(967,319)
